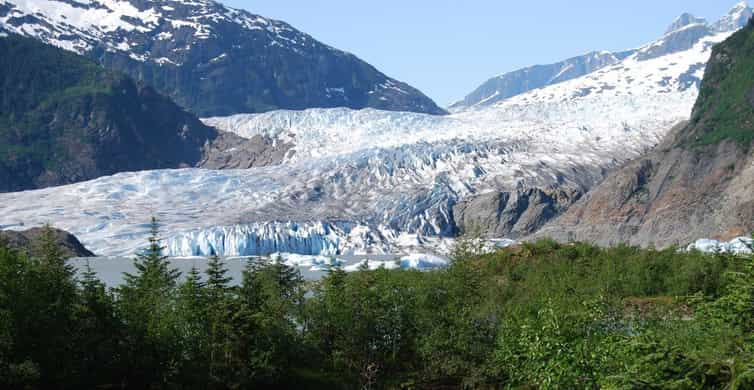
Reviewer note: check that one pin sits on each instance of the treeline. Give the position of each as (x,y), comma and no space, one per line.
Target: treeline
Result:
(541,315)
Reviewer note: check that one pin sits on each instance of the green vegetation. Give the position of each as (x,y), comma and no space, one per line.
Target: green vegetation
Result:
(541,315)
(35,80)
(64,119)
(725,107)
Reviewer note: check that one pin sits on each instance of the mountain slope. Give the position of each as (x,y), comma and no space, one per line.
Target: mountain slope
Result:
(64,119)
(685,32)
(698,183)
(211,59)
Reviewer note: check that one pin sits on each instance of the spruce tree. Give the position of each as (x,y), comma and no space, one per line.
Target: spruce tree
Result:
(153,272)
(192,317)
(191,293)
(148,306)
(217,279)
(221,308)
(99,334)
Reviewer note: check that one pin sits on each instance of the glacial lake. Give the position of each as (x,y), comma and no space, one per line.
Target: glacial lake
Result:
(110,270)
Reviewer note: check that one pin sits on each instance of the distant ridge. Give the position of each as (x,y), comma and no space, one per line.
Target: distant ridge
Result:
(520,81)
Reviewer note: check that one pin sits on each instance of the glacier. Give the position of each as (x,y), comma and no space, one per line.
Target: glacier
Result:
(371,181)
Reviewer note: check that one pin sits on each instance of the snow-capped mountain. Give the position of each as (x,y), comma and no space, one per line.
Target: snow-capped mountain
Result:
(521,81)
(211,59)
(736,18)
(681,35)
(684,20)
(378,181)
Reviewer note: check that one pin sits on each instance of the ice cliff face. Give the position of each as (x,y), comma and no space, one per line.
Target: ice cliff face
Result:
(263,239)
(370,180)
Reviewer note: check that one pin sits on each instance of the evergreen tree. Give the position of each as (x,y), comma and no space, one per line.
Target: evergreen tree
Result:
(53,311)
(148,307)
(217,279)
(50,255)
(192,317)
(270,301)
(153,272)
(17,367)
(221,307)
(99,333)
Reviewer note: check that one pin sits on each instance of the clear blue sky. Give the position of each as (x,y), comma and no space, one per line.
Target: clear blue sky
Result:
(447,48)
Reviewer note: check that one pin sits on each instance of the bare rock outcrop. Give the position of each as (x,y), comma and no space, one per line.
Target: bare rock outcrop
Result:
(27,241)
(669,197)
(230,151)
(512,213)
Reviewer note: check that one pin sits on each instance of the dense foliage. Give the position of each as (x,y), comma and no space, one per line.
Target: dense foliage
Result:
(725,107)
(541,315)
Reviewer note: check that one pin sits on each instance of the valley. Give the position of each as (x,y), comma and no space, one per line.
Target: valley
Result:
(344,181)
(194,196)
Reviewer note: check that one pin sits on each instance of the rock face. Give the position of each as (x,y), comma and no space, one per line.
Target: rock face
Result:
(670,197)
(211,59)
(698,183)
(512,214)
(63,119)
(26,240)
(230,151)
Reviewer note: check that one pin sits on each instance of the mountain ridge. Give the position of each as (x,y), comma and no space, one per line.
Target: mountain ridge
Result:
(212,59)
(682,34)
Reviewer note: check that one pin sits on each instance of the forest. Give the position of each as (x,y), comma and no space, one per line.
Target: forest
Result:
(540,315)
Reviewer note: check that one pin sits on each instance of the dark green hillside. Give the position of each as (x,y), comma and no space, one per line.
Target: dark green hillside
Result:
(725,107)
(64,119)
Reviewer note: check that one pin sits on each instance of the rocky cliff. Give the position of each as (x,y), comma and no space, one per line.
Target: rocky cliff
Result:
(698,183)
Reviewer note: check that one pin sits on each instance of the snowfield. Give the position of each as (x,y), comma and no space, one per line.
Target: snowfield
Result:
(370,181)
